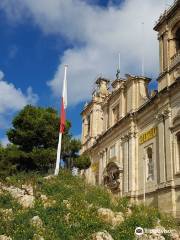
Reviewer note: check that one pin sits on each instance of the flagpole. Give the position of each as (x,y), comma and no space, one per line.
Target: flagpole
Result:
(142,65)
(62,123)
(58,155)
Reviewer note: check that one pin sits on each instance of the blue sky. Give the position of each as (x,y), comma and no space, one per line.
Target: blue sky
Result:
(37,39)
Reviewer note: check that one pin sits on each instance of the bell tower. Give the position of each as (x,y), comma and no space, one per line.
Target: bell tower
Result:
(92,114)
(168,28)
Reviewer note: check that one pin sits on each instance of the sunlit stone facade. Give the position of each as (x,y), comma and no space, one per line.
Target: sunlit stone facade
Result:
(133,136)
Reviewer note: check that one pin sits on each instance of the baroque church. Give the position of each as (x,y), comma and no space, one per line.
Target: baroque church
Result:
(133,136)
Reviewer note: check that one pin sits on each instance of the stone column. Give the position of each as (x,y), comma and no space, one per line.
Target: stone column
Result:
(132,162)
(125,143)
(161,149)
(168,147)
(100,167)
(120,157)
(161,53)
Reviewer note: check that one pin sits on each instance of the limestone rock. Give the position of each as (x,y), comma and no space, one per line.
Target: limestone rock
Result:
(37,237)
(49,177)
(175,235)
(26,200)
(47,202)
(28,189)
(4,237)
(108,216)
(36,222)
(43,198)
(102,236)
(117,219)
(67,204)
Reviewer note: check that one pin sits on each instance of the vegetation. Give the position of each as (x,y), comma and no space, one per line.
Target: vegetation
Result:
(74,213)
(34,139)
(82,162)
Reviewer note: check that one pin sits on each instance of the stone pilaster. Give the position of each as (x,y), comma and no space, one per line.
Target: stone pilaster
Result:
(168,141)
(161,150)
(125,146)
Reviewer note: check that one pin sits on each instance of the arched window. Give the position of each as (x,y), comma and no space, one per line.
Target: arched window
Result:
(150,167)
(177,39)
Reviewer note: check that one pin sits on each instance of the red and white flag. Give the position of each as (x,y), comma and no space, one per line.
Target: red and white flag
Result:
(62,120)
(63,103)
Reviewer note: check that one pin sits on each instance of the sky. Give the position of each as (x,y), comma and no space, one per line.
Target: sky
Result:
(39,37)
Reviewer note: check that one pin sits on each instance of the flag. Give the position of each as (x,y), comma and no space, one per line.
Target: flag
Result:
(62,121)
(63,103)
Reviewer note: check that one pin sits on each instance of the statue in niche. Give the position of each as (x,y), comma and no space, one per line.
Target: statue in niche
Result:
(112,177)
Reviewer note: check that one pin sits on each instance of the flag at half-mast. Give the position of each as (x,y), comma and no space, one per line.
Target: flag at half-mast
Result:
(63,103)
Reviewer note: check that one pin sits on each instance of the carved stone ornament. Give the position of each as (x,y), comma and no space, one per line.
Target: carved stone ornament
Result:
(177,73)
(112,177)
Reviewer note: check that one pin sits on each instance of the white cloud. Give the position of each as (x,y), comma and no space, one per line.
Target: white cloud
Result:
(4,141)
(12,100)
(96,35)
(77,137)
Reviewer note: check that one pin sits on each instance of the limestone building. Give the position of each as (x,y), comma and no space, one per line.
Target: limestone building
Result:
(133,137)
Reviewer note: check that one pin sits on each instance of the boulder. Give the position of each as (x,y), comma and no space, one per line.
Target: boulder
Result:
(26,200)
(108,216)
(37,237)
(117,219)
(102,236)
(4,237)
(36,222)
(175,235)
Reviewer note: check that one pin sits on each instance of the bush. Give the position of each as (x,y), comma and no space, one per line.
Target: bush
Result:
(43,159)
(82,162)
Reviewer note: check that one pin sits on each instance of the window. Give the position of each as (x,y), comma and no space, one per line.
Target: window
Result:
(177,39)
(150,165)
(115,114)
(112,151)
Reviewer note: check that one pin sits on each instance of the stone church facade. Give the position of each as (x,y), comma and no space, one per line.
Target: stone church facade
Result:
(133,136)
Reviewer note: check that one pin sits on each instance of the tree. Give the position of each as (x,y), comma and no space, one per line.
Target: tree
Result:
(82,162)
(34,136)
(35,127)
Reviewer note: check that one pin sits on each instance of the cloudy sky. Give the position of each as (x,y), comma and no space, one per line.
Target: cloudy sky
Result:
(39,36)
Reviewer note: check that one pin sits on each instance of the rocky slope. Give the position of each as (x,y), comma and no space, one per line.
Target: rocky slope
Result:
(65,208)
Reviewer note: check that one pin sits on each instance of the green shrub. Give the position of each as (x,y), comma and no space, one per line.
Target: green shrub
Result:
(82,162)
